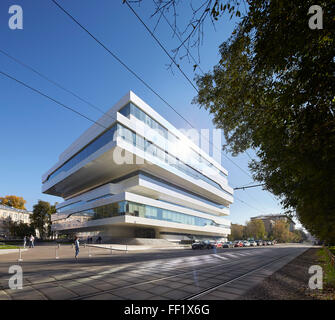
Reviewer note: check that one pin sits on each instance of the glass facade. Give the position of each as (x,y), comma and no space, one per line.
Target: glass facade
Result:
(150,148)
(70,206)
(197,160)
(80,203)
(146,211)
(138,141)
(130,108)
(95,145)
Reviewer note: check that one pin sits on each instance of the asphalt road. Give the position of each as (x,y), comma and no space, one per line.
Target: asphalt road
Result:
(179,274)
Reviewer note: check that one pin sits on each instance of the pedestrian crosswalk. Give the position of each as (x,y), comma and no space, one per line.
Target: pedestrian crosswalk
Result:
(180,263)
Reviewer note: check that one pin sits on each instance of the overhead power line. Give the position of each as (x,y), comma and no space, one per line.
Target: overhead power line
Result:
(116,58)
(176,31)
(41,75)
(50,98)
(247,204)
(162,47)
(247,187)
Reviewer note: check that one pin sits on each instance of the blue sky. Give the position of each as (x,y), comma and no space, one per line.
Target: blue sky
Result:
(34,130)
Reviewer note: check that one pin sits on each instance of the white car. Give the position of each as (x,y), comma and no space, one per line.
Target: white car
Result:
(246,244)
(253,243)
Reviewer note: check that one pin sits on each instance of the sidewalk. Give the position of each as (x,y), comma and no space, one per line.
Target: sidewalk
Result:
(124,247)
(7,251)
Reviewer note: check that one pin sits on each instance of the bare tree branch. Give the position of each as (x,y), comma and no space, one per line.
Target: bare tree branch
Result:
(192,35)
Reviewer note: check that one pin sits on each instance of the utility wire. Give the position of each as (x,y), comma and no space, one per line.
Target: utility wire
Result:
(176,32)
(50,98)
(25,65)
(248,155)
(118,59)
(237,198)
(162,47)
(247,187)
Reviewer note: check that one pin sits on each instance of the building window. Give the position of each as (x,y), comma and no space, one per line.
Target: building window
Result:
(144,211)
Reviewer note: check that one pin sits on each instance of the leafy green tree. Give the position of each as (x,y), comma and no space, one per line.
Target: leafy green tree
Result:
(273,91)
(255,229)
(298,235)
(237,232)
(13,201)
(281,232)
(18,229)
(41,217)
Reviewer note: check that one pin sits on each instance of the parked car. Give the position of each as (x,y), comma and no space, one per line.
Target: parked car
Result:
(246,243)
(203,245)
(264,243)
(253,243)
(238,243)
(228,244)
(218,245)
(209,244)
(198,245)
(259,242)
(269,243)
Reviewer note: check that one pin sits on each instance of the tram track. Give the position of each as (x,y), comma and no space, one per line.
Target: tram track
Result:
(192,296)
(215,287)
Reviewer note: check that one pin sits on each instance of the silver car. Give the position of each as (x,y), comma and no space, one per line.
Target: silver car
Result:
(246,244)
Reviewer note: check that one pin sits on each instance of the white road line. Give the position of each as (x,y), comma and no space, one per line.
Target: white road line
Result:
(220,257)
(231,255)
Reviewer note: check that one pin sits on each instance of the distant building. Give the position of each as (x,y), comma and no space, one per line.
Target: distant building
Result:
(15,215)
(270,220)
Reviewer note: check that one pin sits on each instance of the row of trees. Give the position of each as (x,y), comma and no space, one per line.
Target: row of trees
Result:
(272,90)
(40,219)
(255,229)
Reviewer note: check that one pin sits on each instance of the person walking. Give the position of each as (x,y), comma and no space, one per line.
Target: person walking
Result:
(24,241)
(31,241)
(99,240)
(76,246)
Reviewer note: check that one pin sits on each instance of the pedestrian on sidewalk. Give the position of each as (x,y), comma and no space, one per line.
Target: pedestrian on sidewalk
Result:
(24,241)
(76,246)
(31,241)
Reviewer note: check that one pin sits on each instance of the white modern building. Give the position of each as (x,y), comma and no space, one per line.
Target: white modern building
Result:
(134,175)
